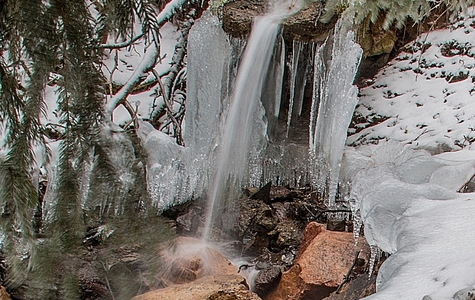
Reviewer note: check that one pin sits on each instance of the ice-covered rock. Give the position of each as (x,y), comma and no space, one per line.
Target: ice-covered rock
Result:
(410,208)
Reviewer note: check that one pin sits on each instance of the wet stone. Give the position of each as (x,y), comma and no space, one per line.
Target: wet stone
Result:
(267,280)
(280,193)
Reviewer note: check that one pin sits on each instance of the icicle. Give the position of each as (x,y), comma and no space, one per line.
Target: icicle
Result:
(296,49)
(337,98)
(375,255)
(300,79)
(279,79)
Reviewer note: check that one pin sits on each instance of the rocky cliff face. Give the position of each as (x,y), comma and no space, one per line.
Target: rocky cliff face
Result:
(237,20)
(379,45)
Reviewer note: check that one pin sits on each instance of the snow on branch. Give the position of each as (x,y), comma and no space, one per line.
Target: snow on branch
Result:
(148,62)
(168,11)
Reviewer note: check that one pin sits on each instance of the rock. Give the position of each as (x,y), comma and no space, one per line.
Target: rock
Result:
(263,194)
(238,15)
(310,233)
(288,233)
(323,261)
(302,25)
(374,39)
(358,288)
(256,219)
(280,193)
(335,224)
(3,294)
(266,280)
(188,221)
(189,259)
(218,287)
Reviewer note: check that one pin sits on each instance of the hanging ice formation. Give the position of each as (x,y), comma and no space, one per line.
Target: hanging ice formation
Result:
(272,140)
(334,100)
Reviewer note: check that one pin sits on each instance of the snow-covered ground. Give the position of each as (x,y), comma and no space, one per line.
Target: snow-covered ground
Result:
(409,200)
(426,95)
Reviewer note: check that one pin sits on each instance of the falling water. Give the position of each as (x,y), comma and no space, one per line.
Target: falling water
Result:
(235,130)
(236,140)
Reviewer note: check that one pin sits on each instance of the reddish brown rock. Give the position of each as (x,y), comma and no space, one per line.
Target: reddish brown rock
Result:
(189,259)
(3,294)
(321,265)
(220,287)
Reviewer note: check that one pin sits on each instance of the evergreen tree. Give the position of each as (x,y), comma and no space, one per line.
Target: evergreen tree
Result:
(63,43)
(394,12)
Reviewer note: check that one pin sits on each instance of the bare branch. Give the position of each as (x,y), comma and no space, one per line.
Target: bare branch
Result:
(121,45)
(176,63)
(169,108)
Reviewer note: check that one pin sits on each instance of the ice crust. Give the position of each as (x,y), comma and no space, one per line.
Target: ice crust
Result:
(410,208)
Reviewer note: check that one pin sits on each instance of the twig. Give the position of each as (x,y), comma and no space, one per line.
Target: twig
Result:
(169,109)
(347,277)
(107,280)
(132,113)
(122,45)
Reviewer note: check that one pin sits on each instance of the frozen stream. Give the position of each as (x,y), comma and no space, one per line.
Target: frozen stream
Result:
(410,208)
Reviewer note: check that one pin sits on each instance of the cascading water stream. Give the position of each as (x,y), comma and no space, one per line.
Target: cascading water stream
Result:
(236,138)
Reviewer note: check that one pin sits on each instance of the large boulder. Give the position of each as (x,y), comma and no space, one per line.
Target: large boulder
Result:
(305,25)
(238,15)
(237,20)
(218,287)
(321,265)
(189,259)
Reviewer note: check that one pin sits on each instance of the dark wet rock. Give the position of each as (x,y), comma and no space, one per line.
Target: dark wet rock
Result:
(281,210)
(286,234)
(360,287)
(91,284)
(335,224)
(304,27)
(255,221)
(280,193)
(238,15)
(177,210)
(263,194)
(188,221)
(266,280)
(305,211)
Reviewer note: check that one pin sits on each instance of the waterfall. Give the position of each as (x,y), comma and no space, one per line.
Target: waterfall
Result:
(239,135)
(237,129)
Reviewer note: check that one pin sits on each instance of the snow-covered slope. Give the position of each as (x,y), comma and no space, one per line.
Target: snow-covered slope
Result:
(410,201)
(426,96)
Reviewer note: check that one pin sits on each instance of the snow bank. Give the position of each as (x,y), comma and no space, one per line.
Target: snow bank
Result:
(408,202)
